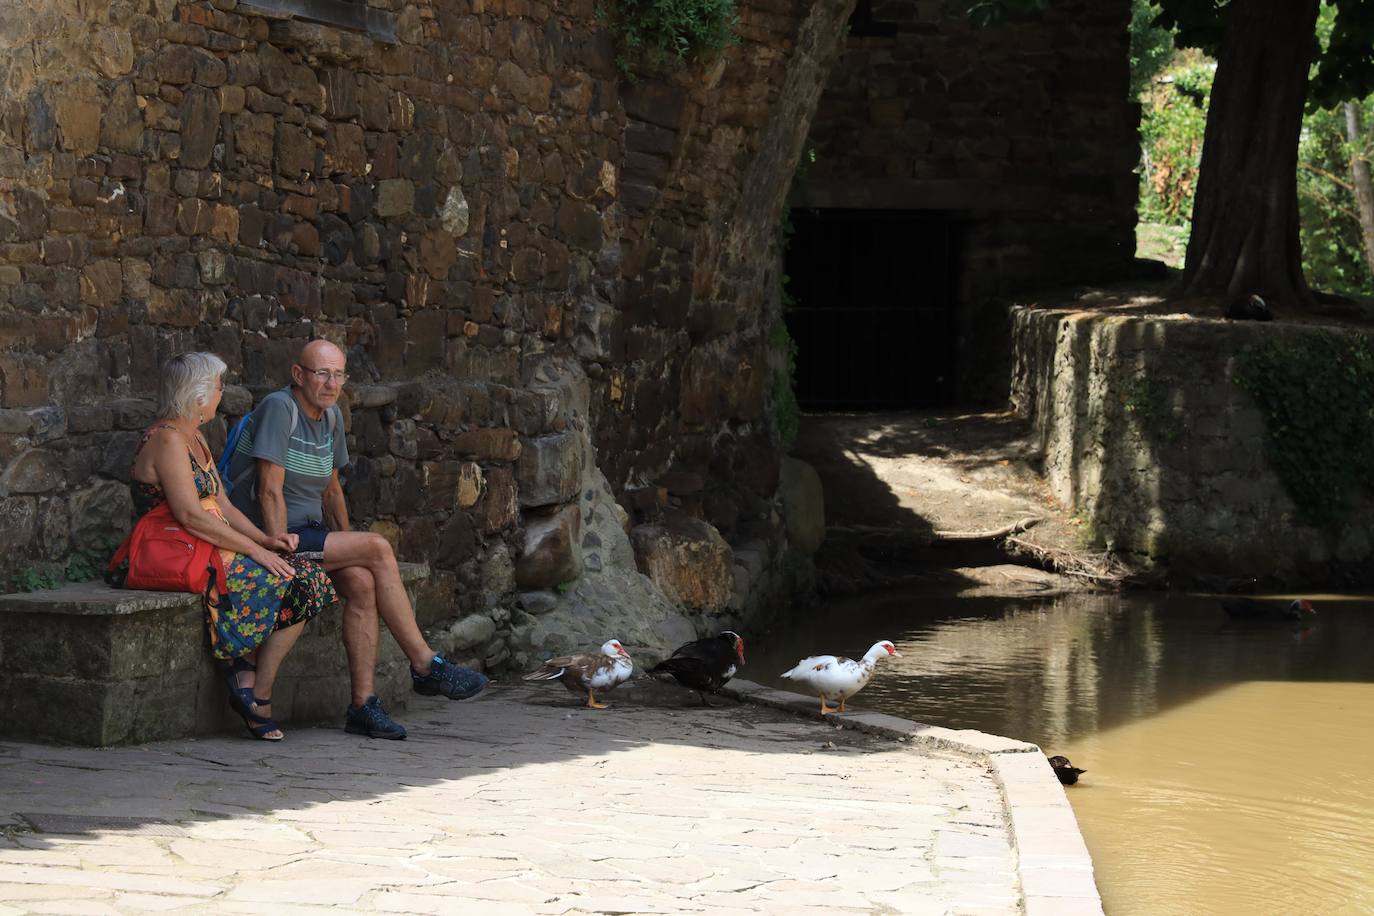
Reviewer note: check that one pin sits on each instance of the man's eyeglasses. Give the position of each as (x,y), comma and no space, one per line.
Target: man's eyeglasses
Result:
(324,375)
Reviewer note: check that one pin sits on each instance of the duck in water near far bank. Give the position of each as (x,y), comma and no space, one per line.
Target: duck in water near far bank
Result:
(1066,772)
(1253,609)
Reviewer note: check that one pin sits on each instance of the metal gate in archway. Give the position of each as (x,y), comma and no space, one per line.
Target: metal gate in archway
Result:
(873,310)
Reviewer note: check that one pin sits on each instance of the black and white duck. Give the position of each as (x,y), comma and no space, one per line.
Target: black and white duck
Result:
(704,665)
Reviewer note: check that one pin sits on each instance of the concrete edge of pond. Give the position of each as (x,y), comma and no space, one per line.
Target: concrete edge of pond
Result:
(1052,861)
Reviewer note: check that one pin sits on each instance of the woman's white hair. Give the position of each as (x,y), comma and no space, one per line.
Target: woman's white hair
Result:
(186,384)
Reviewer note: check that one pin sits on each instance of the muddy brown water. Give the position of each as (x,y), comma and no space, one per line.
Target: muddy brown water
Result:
(1228,764)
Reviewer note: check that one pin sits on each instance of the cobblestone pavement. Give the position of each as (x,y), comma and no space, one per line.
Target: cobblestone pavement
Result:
(517,801)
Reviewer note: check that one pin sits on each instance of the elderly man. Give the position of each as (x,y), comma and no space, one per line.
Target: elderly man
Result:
(285,475)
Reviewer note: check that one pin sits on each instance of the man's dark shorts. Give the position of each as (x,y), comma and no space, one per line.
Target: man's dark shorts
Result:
(312,537)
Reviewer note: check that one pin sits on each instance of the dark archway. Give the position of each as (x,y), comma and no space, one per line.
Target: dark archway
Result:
(874,310)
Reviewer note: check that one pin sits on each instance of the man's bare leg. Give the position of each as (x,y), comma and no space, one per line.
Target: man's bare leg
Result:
(365,569)
(386,597)
(361,629)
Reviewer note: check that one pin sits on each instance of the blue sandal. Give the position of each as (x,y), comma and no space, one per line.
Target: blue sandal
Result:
(240,698)
(264,723)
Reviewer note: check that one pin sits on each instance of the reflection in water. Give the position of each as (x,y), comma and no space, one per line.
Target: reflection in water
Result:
(1227,762)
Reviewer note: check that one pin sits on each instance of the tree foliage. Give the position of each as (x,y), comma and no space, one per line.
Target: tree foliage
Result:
(1172,122)
(1331,236)
(1270,64)
(1152,46)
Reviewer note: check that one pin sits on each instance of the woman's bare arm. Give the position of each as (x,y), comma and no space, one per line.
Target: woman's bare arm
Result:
(169,459)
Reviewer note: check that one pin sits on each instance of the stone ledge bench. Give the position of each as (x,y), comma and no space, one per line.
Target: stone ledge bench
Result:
(92,665)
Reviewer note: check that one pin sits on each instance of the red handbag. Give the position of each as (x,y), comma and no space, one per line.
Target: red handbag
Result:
(165,557)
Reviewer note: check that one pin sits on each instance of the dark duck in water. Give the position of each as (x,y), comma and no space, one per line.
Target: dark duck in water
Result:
(1252,609)
(1068,773)
(704,664)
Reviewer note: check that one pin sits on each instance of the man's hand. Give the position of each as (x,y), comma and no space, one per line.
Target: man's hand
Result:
(282,543)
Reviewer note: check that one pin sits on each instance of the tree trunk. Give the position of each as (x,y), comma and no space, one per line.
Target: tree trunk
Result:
(1360,180)
(1245,214)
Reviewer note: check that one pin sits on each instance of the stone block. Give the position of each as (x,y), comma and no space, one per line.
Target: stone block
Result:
(199,126)
(344,150)
(552,551)
(500,505)
(803,504)
(687,559)
(549,470)
(78,122)
(24,379)
(295,150)
(395,197)
(34,471)
(494,443)
(102,282)
(473,630)
(121,123)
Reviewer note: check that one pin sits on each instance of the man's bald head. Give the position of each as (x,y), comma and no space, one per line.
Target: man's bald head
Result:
(319,350)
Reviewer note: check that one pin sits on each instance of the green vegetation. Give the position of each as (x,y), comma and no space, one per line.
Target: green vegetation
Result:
(29,579)
(1175,93)
(1318,401)
(83,565)
(1172,122)
(1146,404)
(668,28)
(786,410)
(89,563)
(1152,46)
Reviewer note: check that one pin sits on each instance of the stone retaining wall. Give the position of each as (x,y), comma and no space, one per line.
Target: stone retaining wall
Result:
(1147,438)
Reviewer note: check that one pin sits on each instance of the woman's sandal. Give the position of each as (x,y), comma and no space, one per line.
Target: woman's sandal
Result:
(240,698)
(243,703)
(264,723)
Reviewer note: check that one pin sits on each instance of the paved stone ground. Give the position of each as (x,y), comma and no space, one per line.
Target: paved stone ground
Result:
(517,801)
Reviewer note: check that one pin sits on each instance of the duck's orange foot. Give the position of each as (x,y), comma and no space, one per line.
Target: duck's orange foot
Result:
(594,703)
(827,710)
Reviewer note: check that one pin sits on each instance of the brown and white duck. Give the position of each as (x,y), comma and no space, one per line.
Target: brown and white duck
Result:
(838,678)
(704,664)
(589,672)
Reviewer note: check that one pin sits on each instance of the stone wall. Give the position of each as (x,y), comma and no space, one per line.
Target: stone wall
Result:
(551,283)
(1023,134)
(1162,455)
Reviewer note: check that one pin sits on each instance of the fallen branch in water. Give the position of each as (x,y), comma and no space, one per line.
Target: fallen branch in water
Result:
(906,537)
(1099,568)
(1024,524)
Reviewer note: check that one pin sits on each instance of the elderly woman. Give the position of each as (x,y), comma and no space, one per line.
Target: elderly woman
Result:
(254,625)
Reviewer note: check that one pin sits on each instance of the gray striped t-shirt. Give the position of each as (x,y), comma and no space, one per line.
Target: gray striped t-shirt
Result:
(309,453)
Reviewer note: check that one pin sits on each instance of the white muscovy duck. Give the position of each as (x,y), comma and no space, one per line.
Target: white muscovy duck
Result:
(839,678)
(589,672)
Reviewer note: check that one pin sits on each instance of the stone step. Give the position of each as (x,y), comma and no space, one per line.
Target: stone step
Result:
(91,665)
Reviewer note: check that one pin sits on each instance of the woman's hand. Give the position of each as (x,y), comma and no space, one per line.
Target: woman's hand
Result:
(282,543)
(273,563)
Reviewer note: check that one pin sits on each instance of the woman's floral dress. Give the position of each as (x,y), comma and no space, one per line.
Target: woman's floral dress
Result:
(258,602)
